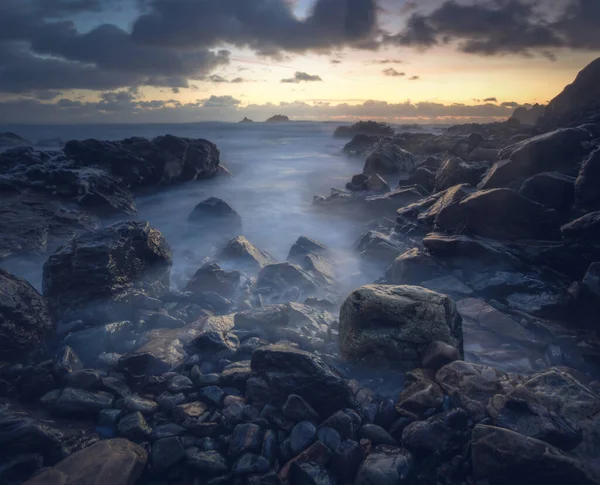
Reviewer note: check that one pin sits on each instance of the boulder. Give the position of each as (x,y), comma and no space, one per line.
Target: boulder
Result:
(387,465)
(243,252)
(290,371)
(24,317)
(303,247)
(456,171)
(584,230)
(501,456)
(212,278)
(561,150)
(214,214)
(553,190)
(368,183)
(388,159)
(500,214)
(116,461)
(412,268)
(280,276)
(98,275)
(446,200)
(377,247)
(364,128)
(361,144)
(395,324)
(588,180)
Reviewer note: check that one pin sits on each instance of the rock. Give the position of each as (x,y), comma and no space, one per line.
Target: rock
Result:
(412,268)
(211,278)
(317,454)
(377,247)
(456,171)
(387,465)
(135,403)
(586,185)
(271,316)
(303,247)
(384,324)
(368,183)
(559,150)
(134,427)
(319,268)
(117,461)
(344,423)
(420,395)
(309,474)
(330,438)
(500,214)
(279,276)
(212,395)
(503,456)
(346,459)
(250,464)
(364,128)
(246,437)
(243,252)
(361,144)
(303,435)
(235,375)
(278,119)
(97,276)
(291,371)
(553,190)
(24,317)
(167,452)
(584,230)
(214,214)
(297,409)
(591,281)
(209,462)
(80,402)
(446,201)
(387,159)
(246,120)
(438,354)
(189,411)
(13,140)
(376,434)
(66,362)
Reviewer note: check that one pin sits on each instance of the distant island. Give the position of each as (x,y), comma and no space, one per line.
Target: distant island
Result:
(277,119)
(246,120)
(364,128)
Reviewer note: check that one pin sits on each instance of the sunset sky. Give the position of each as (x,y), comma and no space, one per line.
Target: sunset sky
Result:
(424,61)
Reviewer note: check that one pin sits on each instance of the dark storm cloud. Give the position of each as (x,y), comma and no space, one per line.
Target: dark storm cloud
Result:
(489,27)
(392,72)
(302,77)
(221,102)
(267,26)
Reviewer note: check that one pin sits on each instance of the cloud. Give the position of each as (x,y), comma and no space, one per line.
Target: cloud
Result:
(221,102)
(302,77)
(492,27)
(386,61)
(335,61)
(510,104)
(392,72)
(414,78)
(490,100)
(215,78)
(238,80)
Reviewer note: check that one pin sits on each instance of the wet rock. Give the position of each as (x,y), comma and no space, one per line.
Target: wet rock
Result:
(269,316)
(270,478)
(179,384)
(302,436)
(136,403)
(420,394)
(243,252)
(212,395)
(189,412)
(550,189)
(270,446)
(97,276)
(21,467)
(445,201)
(250,464)
(24,317)
(342,422)
(303,247)
(376,434)
(500,214)
(12,140)
(209,462)
(377,247)
(235,375)
(381,324)
(66,362)
(364,128)
(438,354)
(317,453)
(134,427)
(297,409)
(290,371)
(330,438)
(584,230)
(586,193)
(412,268)
(309,474)
(388,158)
(167,452)
(280,276)
(215,214)
(346,459)
(116,337)
(456,171)
(211,278)
(503,456)
(215,345)
(109,418)
(80,402)
(321,269)
(117,461)
(387,465)
(246,437)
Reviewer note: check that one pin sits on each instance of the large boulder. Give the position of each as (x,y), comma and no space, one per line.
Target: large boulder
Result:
(553,190)
(117,461)
(361,144)
(587,194)
(290,371)
(98,275)
(382,324)
(387,159)
(561,150)
(456,171)
(500,214)
(212,278)
(585,230)
(215,214)
(241,251)
(24,317)
(387,465)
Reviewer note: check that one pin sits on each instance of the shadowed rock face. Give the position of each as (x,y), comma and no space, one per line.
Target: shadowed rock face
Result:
(97,276)
(395,324)
(24,317)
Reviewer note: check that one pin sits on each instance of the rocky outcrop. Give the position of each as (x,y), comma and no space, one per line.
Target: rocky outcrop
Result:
(455,171)
(529,116)
(395,324)
(24,317)
(277,119)
(244,253)
(98,276)
(550,189)
(586,186)
(387,159)
(215,215)
(212,278)
(246,120)
(364,128)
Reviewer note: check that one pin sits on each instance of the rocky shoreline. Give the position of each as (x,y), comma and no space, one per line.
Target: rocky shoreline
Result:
(472,359)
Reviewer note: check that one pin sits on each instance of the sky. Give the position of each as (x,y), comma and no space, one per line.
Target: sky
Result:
(400,61)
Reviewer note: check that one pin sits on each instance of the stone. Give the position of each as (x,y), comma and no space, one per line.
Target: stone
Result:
(377,247)
(243,252)
(420,394)
(309,474)
(134,427)
(330,438)
(80,402)
(412,268)
(584,230)
(438,354)
(553,190)
(317,453)
(167,452)
(284,275)
(116,461)
(303,247)
(456,171)
(297,409)
(364,128)
(246,437)
(382,324)
(97,276)
(445,201)
(346,459)
(342,422)
(215,215)
(24,317)
(190,411)
(212,395)
(503,456)
(209,462)
(586,193)
(321,269)
(211,278)
(387,159)
(376,434)
(290,371)
(250,464)
(302,436)
(387,465)
(66,362)
(136,403)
